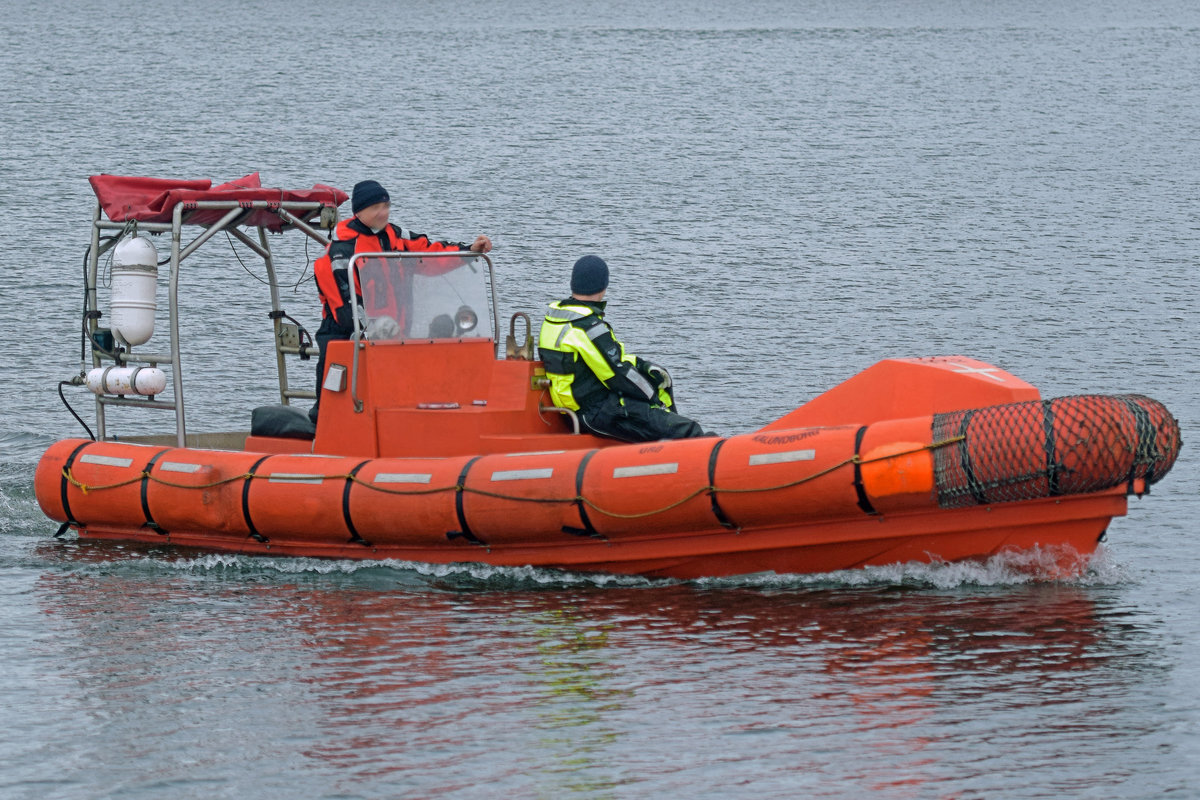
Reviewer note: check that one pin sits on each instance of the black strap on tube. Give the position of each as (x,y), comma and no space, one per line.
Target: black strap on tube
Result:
(588,529)
(354,537)
(718,512)
(254,534)
(1146,451)
(1050,445)
(864,502)
(64,485)
(464,531)
(150,523)
(978,491)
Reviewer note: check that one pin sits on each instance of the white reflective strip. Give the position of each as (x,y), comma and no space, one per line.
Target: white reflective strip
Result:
(637,380)
(537,453)
(648,469)
(178,466)
(984,371)
(561,335)
(522,474)
(783,457)
(293,477)
(402,477)
(565,314)
(107,461)
(596,331)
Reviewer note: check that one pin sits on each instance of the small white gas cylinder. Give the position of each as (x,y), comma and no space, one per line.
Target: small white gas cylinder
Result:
(134,278)
(126,380)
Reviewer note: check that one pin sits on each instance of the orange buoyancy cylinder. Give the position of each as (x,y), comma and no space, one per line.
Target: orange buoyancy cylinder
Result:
(82,482)
(120,485)
(199,491)
(896,465)
(299,497)
(1045,448)
(526,498)
(1101,441)
(776,477)
(648,489)
(405,501)
(1005,452)
(49,486)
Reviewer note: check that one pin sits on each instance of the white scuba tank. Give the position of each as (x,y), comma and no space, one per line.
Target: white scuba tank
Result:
(134,279)
(126,380)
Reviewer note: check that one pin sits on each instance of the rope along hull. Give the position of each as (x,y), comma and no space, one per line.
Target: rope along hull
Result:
(968,484)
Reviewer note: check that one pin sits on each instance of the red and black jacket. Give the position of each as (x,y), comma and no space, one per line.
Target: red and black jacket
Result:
(350,237)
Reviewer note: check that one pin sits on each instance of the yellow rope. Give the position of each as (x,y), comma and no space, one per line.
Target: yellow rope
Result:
(85,488)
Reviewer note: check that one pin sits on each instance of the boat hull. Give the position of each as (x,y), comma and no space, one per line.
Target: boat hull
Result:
(1066,531)
(795,501)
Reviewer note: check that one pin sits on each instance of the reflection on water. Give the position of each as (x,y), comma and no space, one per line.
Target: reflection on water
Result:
(367,676)
(581,690)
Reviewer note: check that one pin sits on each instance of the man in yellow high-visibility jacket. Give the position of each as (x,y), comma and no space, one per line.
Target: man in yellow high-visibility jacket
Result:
(615,393)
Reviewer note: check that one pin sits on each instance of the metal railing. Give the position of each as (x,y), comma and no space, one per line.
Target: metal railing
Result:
(293,214)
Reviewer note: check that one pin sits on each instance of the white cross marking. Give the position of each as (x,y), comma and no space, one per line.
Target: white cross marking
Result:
(985,371)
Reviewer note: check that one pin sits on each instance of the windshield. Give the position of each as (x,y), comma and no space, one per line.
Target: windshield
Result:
(424,296)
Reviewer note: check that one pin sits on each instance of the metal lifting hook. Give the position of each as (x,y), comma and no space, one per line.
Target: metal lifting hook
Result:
(525,351)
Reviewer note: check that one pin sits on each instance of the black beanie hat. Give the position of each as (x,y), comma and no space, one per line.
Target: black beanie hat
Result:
(590,276)
(367,194)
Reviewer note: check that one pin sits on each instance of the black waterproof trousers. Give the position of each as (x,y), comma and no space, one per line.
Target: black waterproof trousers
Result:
(633,420)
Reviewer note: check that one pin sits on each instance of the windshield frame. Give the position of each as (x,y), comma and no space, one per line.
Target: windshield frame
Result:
(465,255)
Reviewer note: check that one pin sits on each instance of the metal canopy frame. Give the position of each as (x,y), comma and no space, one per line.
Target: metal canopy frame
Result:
(297,215)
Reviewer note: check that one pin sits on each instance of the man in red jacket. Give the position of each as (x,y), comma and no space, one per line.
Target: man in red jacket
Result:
(368,231)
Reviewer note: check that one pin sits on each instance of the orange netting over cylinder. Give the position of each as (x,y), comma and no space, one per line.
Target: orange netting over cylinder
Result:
(1045,448)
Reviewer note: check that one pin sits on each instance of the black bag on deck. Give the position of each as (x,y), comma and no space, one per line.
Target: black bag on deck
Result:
(279,420)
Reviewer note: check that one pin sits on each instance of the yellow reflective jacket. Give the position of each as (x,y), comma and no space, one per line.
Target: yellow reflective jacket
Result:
(585,361)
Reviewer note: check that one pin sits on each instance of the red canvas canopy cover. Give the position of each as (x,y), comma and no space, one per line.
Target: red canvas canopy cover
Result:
(126,198)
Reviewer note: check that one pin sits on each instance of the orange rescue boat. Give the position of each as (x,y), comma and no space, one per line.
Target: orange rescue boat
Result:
(431,448)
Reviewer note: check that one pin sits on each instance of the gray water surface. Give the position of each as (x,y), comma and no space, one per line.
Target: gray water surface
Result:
(786,193)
